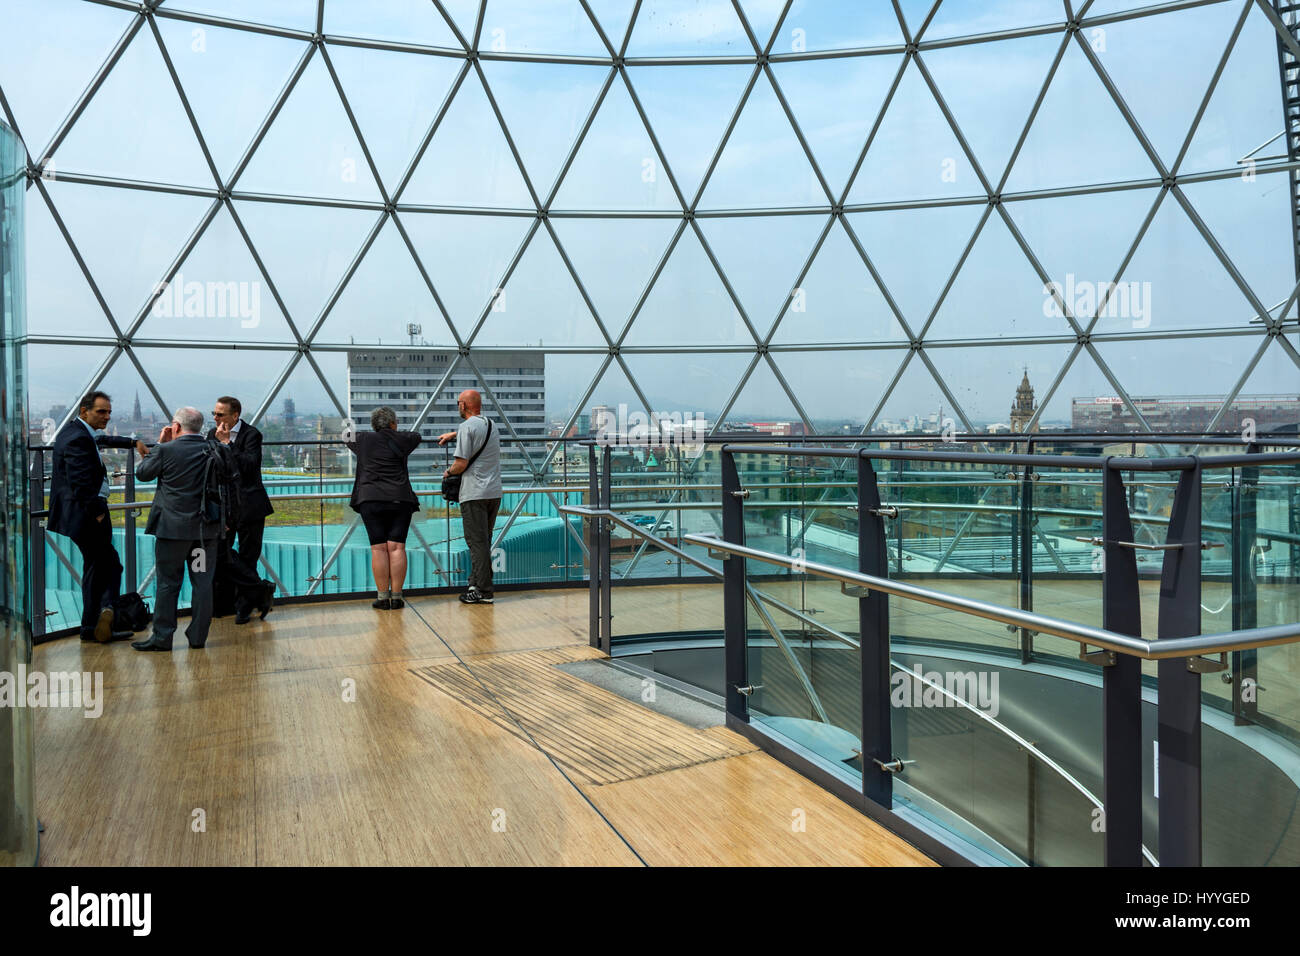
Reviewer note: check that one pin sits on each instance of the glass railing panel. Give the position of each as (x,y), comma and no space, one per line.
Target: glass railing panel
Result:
(1274,563)
(1066,572)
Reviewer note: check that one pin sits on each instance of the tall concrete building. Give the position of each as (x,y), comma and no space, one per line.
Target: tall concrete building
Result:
(404,379)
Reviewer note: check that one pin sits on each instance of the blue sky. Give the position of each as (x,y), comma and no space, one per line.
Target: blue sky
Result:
(980,336)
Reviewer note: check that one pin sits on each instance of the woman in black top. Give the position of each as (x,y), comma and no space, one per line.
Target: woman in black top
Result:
(383,496)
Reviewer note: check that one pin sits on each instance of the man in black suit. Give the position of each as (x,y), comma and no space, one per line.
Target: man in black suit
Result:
(79,510)
(187,518)
(243,540)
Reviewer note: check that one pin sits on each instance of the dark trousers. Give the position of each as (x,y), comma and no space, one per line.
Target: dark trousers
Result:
(101,571)
(234,573)
(477,519)
(172,557)
(249,548)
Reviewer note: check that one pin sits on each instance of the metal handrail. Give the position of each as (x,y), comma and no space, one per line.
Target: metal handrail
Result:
(1165,648)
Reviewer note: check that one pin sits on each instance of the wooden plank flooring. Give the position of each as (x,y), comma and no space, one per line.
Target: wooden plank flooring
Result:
(308,739)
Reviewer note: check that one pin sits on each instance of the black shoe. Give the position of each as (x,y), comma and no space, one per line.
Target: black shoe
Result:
(268,600)
(244,615)
(381,604)
(152,645)
(198,646)
(104,626)
(123,635)
(475,596)
(87,636)
(395,603)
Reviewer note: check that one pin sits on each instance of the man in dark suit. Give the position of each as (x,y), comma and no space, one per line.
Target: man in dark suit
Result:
(79,510)
(186,520)
(239,560)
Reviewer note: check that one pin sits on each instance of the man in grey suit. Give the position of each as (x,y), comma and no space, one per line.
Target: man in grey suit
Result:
(186,521)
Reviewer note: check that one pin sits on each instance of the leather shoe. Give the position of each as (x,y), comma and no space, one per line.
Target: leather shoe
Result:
(199,646)
(122,635)
(268,600)
(152,645)
(104,626)
(243,615)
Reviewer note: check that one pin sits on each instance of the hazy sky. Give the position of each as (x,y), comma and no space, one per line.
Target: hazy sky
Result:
(980,338)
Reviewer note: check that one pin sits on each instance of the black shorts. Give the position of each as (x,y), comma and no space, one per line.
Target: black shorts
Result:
(386,521)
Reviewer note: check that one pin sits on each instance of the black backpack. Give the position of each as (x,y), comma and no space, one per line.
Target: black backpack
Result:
(215,503)
(130,611)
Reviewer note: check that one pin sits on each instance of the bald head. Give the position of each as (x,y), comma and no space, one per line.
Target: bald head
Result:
(470,403)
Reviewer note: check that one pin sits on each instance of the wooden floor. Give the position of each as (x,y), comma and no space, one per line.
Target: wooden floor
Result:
(335,734)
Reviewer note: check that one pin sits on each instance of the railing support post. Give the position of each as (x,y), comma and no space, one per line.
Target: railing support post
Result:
(594,553)
(606,568)
(1179,730)
(873,628)
(1245,609)
(733,591)
(128,523)
(1121,683)
(36,539)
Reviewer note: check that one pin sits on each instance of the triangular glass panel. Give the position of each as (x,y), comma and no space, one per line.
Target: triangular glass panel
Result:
(839,389)
(990,89)
(1174,281)
(915,154)
(838,300)
(135,126)
(762,257)
(1154,372)
(688,304)
(1185,45)
(218,294)
(1273,377)
(1085,400)
(128,389)
(465,257)
(613,16)
(762,16)
(837,25)
(960,18)
(53,393)
(997,294)
(764,403)
(59,300)
(567,376)
(464,13)
(468,162)
(395,20)
(539,305)
(763,163)
(916,404)
(689,385)
(689,107)
(614,407)
(311,149)
(687,28)
(296,411)
(616,166)
(61,42)
(128,237)
(1252,224)
(545,107)
(915,251)
(1245,111)
(306,249)
(915,13)
(298,14)
(1078,109)
(539,26)
(614,259)
(385,297)
(231,79)
(395,97)
(1101,228)
(198,376)
(835,102)
(984,379)
(1101,8)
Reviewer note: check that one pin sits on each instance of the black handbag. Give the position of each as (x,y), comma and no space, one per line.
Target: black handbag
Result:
(451,483)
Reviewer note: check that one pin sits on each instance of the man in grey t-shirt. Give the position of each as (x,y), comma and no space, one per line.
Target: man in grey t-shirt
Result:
(480,490)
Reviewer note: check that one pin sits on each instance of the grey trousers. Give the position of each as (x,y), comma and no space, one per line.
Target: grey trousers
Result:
(172,556)
(477,519)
